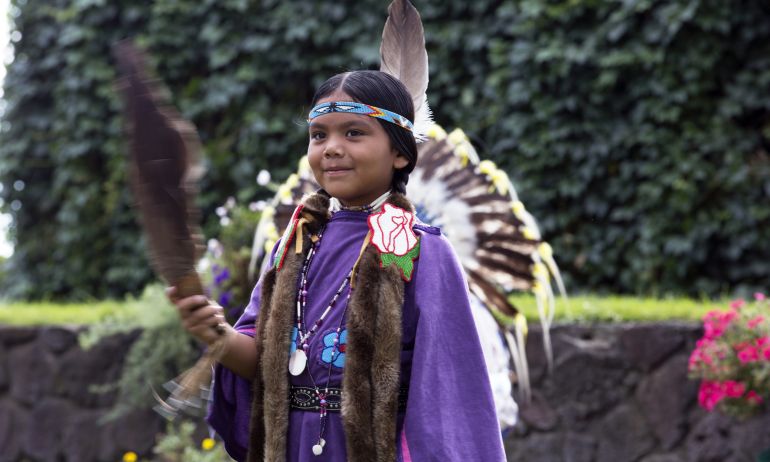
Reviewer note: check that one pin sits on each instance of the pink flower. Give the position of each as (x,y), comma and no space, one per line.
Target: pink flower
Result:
(763,345)
(710,394)
(716,322)
(753,398)
(732,357)
(704,343)
(759,296)
(748,355)
(701,355)
(392,230)
(733,389)
(747,352)
(697,358)
(712,315)
(754,322)
(728,316)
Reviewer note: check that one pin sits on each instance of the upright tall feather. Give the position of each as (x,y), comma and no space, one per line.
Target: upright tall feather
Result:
(403,55)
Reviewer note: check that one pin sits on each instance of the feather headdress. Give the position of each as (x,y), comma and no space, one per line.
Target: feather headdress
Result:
(497,240)
(164,169)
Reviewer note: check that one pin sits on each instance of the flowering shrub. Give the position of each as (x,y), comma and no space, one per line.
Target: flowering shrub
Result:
(178,444)
(733,358)
(224,267)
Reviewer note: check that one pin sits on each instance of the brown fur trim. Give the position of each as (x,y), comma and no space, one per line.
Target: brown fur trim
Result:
(257,425)
(270,422)
(276,356)
(372,355)
(372,363)
(399,200)
(316,209)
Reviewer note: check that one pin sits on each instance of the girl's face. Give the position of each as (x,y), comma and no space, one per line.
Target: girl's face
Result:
(351,156)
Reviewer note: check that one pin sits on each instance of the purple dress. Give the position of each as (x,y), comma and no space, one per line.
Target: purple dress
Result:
(450,413)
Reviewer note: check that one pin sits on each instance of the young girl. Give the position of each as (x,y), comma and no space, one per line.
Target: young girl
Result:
(358,343)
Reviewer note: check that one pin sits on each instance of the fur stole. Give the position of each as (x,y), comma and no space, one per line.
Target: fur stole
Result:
(372,364)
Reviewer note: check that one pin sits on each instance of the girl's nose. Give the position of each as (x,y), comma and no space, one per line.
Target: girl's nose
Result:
(332,150)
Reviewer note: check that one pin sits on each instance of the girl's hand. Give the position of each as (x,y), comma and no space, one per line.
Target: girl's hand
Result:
(198,314)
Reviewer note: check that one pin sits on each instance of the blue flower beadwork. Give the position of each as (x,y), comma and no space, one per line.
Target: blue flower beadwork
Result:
(294,335)
(331,354)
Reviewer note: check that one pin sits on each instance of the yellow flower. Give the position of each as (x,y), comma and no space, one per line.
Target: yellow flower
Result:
(208,444)
(130,456)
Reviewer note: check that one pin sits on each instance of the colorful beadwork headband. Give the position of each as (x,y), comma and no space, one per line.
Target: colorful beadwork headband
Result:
(351,107)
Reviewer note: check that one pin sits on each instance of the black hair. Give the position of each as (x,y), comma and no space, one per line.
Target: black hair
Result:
(387,92)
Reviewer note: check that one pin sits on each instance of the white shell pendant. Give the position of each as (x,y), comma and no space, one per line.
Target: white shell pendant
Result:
(318,449)
(297,362)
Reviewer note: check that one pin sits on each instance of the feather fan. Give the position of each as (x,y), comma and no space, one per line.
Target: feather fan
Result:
(164,168)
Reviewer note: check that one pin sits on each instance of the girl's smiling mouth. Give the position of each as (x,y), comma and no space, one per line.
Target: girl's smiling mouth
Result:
(336,171)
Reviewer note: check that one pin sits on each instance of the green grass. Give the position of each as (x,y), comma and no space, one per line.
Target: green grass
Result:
(581,308)
(44,313)
(621,308)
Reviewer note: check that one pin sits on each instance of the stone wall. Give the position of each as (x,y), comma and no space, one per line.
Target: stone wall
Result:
(47,410)
(618,392)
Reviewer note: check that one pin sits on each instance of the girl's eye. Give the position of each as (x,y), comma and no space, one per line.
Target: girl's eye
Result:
(317,135)
(354,132)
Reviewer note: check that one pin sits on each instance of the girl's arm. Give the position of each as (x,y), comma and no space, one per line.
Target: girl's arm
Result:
(199,316)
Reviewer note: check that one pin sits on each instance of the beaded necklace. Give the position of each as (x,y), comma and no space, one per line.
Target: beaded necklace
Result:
(298,359)
(335,205)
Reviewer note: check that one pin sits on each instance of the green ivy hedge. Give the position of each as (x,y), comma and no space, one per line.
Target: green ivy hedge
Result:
(636,132)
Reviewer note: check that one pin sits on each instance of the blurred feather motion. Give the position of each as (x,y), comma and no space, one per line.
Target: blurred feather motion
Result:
(164,168)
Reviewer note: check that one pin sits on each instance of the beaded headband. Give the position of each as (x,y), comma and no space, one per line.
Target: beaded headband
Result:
(351,107)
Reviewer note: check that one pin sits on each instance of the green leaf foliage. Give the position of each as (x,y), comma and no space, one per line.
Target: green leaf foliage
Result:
(636,131)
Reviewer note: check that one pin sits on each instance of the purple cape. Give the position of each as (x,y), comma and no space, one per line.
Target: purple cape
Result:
(450,414)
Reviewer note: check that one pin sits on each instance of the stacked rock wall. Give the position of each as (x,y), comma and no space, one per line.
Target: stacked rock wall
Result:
(620,392)
(617,393)
(48,410)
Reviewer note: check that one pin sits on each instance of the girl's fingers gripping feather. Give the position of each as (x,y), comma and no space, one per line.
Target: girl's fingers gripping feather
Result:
(187,306)
(199,315)
(171,294)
